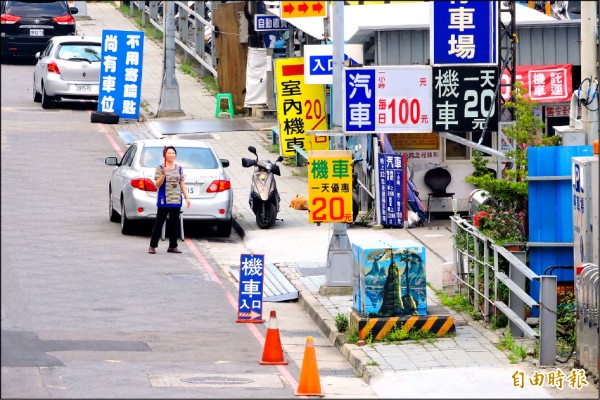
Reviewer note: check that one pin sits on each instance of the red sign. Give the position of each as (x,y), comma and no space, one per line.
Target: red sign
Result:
(544,83)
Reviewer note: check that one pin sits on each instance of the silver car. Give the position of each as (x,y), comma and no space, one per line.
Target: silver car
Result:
(68,68)
(132,193)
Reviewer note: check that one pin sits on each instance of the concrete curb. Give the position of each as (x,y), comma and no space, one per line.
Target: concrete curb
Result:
(324,320)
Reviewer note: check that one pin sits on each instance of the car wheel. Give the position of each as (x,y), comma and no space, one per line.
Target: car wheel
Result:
(112,214)
(47,101)
(104,117)
(224,228)
(37,97)
(125,223)
(265,217)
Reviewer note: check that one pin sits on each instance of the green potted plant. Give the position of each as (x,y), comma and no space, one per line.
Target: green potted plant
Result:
(504,219)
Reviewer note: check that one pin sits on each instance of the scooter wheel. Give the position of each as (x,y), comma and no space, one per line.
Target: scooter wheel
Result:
(265,216)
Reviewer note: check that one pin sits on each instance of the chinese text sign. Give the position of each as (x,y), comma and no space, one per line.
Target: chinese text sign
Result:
(544,83)
(121,73)
(300,108)
(251,288)
(330,186)
(464,32)
(392,190)
(387,99)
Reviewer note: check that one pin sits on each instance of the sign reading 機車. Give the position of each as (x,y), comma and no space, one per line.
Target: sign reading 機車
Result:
(463,98)
(387,99)
(544,83)
(300,108)
(251,288)
(330,186)
(121,73)
(464,32)
(392,189)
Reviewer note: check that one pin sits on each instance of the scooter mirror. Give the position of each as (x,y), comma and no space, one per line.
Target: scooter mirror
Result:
(280,158)
(252,149)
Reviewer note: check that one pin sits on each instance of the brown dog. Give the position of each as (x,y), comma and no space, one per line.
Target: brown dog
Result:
(299,203)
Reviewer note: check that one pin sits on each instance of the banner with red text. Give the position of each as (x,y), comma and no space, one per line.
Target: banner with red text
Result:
(544,83)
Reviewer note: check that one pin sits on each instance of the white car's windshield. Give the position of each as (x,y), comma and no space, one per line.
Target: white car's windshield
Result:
(187,157)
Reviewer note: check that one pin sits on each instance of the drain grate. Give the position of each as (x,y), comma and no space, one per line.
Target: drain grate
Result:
(217,380)
(304,271)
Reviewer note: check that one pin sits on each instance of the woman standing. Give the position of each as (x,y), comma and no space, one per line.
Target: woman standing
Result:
(170,182)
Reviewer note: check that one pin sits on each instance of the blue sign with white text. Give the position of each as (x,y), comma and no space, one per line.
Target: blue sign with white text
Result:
(323,65)
(251,288)
(464,32)
(264,22)
(391,189)
(360,100)
(121,73)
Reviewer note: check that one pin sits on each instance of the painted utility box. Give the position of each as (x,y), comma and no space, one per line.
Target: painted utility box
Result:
(389,278)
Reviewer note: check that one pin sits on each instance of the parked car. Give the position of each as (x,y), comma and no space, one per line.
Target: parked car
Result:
(132,193)
(69,68)
(26,26)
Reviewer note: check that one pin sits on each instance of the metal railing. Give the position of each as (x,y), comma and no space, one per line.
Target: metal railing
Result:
(473,253)
(190,36)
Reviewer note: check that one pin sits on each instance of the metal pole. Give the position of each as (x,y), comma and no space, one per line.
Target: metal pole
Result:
(589,58)
(169,95)
(547,320)
(339,255)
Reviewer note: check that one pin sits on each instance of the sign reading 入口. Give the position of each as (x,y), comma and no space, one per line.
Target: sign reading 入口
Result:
(250,297)
(121,73)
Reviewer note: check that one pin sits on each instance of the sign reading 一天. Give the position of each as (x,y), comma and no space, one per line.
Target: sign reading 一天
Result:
(250,297)
(121,73)
(464,32)
(330,186)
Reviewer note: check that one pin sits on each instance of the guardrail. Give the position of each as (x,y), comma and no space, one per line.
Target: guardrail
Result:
(473,251)
(194,34)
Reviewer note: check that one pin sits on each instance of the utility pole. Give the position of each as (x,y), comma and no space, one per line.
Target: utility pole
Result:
(339,256)
(169,104)
(589,69)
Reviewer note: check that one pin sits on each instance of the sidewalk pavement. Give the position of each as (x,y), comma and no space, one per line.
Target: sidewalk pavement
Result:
(470,360)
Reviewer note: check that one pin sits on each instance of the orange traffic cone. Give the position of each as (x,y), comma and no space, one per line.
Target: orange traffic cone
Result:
(310,383)
(273,353)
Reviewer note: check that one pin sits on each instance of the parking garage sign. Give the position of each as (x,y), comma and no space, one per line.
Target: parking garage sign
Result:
(464,32)
(250,299)
(121,73)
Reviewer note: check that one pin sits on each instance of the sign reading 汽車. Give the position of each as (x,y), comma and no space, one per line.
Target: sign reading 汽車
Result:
(464,32)
(544,83)
(392,186)
(463,98)
(121,73)
(300,108)
(387,99)
(250,297)
(330,186)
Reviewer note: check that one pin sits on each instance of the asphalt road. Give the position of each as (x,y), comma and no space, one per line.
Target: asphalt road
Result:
(86,312)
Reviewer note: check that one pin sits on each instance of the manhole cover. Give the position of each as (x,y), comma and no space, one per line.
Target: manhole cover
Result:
(217,380)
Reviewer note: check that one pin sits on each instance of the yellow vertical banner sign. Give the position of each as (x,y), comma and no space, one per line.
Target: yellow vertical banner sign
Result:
(330,186)
(300,108)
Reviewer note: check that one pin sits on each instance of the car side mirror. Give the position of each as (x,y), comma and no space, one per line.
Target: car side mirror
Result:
(38,55)
(74,10)
(111,161)
(224,162)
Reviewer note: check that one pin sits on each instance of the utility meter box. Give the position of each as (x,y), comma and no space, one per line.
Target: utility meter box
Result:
(586,210)
(570,136)
(389,278)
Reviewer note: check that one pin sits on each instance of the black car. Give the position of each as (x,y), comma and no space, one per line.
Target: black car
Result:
(26,26)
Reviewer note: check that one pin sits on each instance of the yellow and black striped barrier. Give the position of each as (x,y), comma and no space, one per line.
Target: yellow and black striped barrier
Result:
(378,328)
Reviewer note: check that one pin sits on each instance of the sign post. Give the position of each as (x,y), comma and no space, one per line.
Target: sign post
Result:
(251,288)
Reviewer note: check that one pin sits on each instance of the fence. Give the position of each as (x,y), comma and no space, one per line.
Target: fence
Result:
(476,254)
(191,34)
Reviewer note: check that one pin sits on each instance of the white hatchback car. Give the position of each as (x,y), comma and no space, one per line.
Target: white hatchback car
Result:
(68,68)
(132,193)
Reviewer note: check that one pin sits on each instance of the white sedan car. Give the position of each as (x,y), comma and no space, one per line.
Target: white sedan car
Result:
(132,193)
(68,68)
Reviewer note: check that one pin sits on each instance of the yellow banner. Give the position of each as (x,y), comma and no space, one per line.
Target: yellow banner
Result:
(300,108)
(330,186)
(296,9)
